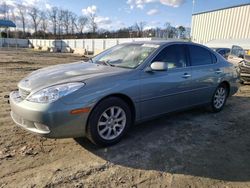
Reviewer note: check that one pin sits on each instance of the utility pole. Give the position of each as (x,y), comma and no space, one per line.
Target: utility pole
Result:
(191,34)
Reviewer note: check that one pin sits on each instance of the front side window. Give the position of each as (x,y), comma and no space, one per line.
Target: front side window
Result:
(200,56)
(174,56)
(126,55)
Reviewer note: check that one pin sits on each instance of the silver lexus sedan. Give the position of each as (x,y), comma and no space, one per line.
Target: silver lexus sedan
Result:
(127,84)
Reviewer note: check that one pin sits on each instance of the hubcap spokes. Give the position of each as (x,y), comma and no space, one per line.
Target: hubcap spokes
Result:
(111,123)
(219,97)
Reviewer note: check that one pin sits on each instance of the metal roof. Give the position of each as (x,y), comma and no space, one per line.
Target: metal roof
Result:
(7,23)
(235,6)
(228,43)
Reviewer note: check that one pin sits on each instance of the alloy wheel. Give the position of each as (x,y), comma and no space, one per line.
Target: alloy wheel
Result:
(219,97)
(111,123)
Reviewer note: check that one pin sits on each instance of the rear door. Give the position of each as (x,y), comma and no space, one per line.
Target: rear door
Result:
(205,73)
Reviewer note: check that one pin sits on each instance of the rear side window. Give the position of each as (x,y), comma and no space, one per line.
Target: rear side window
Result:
(222,52)
(174,55)
(200,56)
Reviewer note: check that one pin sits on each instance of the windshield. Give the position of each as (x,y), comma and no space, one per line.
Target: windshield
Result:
(125,55)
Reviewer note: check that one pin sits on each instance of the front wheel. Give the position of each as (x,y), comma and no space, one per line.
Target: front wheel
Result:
(109,121)
(219,98)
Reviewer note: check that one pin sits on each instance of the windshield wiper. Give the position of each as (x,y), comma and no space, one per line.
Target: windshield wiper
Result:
(109,64)
(89,59)
(105,63)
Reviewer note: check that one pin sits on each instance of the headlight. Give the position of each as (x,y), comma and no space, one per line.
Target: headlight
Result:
(53,93)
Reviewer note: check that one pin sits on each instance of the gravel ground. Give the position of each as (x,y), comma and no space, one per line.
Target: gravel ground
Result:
(194,148)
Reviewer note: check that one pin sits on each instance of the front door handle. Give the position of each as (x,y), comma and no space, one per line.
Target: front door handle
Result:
(186,75)
(218,71)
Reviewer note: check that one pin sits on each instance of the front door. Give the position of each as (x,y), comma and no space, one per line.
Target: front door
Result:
(166,91)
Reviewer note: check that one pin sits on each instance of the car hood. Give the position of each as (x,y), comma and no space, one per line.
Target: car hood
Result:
(65,73)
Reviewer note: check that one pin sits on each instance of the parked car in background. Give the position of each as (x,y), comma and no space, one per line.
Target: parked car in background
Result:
(126,84)
(224,52)
(241,57)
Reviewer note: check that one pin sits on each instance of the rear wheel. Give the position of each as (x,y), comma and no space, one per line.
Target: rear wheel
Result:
(219,98)
(109,121)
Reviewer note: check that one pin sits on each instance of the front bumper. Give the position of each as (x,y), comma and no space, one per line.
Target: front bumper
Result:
(49,120)
(245,72)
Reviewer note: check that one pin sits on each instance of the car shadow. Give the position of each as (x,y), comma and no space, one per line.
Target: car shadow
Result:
(195,142)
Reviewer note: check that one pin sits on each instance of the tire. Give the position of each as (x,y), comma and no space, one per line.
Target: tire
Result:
(109,122)
(219,98)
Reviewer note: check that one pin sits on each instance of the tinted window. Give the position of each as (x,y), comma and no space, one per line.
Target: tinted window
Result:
(174,55)
(199,56)
(222,52)
(236,51)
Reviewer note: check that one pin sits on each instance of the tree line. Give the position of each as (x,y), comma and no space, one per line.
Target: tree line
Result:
(59,23)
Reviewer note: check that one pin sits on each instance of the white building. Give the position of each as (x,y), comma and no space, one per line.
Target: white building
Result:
(226,23)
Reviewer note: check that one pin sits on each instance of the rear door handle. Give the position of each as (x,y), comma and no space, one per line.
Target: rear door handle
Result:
(186,75)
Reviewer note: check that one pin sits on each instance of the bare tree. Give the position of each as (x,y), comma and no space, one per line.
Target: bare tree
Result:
(53,15)
(44,22)
(60,21)
(92,22)
(81,23)
(65,18)
(173,33)
(139,27)
(168,28)
(34,13)
(73,25)
(22,12)
(4,9)
(181,31)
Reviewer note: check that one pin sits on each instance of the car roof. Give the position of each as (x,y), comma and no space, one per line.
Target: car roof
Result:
(163,42)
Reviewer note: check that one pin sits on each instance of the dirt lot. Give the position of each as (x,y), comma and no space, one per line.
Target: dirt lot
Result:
(189,149)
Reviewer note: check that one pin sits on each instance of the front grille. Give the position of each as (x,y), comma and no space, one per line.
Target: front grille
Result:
(23,93)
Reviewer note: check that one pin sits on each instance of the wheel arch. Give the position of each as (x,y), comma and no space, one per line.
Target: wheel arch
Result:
(121,96)
(227,84)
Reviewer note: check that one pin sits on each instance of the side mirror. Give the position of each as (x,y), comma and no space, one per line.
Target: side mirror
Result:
(159,66)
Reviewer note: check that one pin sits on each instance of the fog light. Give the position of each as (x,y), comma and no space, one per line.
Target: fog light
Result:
(42,127)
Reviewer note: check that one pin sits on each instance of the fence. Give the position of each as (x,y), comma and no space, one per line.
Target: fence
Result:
(88,44)
(10,42)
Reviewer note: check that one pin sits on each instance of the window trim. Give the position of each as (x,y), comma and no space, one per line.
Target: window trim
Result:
(208,50)
(185,51)
(216,59)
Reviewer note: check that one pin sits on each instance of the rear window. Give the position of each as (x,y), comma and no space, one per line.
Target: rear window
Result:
(200,56)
